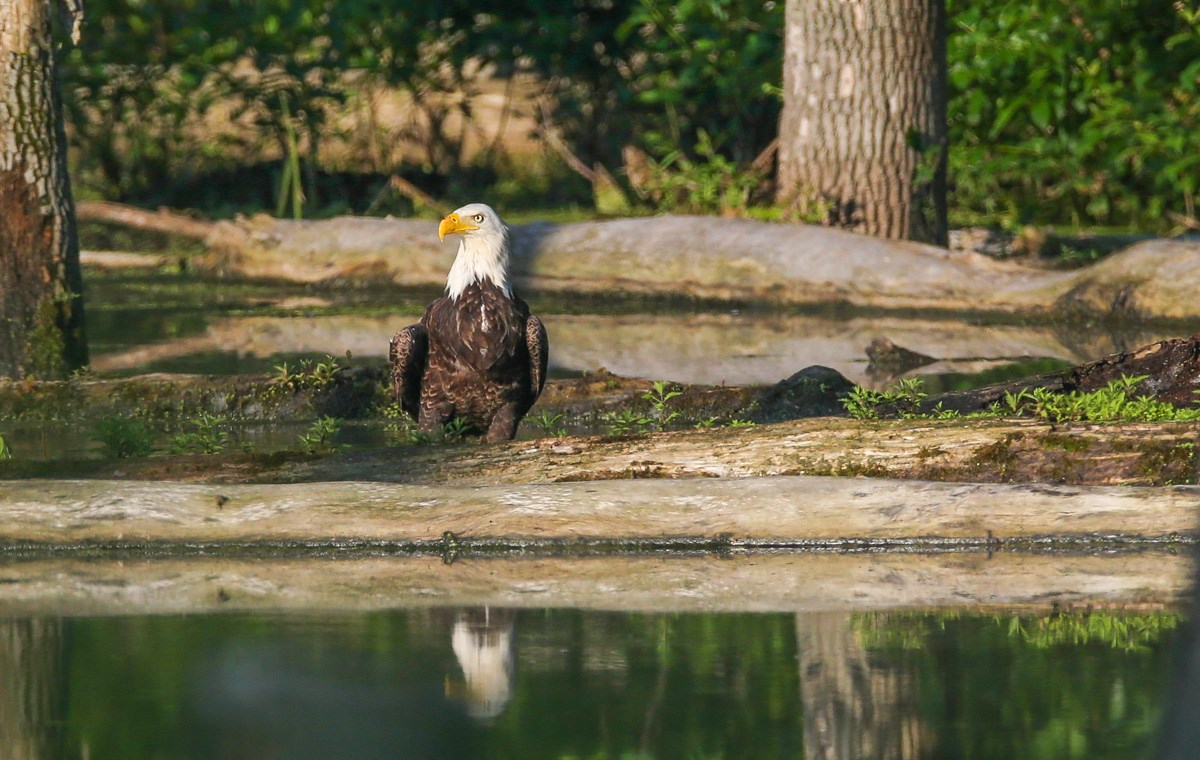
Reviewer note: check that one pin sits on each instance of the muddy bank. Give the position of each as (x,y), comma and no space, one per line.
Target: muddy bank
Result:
(763,582)
(723,259)
(694,513)
(995,450)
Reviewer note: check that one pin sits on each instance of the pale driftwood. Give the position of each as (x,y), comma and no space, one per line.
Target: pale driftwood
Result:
(734,259)
(124,260)
(791,511)
(758,583)
(706,257)
(163,220)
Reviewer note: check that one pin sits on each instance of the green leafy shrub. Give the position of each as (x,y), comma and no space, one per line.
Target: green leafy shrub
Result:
(122,437)
(1087,116)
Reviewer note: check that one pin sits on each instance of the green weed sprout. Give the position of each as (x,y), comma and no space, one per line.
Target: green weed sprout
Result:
(628,422)
(551,424)
(206,436)
(318,439)
(659,395)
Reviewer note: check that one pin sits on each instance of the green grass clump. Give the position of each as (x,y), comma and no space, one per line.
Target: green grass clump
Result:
(903,401)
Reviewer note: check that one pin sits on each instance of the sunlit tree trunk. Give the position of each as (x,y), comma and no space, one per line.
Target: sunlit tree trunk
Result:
(862,136)
(854,708)
(41,304)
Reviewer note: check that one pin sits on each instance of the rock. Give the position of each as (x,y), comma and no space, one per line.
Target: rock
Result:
(814,391)
(889,360)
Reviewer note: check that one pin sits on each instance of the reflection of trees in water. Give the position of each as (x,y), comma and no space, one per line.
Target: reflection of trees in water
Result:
(30,688)
(482,640)
(855,706)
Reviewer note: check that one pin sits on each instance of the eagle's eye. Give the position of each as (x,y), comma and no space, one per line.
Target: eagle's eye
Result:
(478,218)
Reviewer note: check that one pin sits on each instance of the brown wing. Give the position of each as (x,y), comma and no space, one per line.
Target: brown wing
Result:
(408,351)
(539,355)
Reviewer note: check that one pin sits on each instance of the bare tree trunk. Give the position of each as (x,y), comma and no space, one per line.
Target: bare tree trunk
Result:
(41,303)
(863,129)
(31,724)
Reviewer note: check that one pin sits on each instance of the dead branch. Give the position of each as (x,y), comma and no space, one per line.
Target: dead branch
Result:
(162,220)
(419,197)
(545,128)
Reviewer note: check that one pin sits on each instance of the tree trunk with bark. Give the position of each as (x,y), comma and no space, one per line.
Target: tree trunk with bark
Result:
(41,304)
(863,129)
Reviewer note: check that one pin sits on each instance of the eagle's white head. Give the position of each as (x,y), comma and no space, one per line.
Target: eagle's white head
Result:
(482,251)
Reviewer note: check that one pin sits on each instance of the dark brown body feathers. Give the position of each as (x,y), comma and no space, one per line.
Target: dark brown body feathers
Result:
(480,358)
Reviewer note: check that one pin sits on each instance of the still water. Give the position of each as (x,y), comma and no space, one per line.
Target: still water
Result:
(171,322)
(565,683)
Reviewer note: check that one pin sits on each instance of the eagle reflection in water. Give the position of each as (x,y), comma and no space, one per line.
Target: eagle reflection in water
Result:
(483,643)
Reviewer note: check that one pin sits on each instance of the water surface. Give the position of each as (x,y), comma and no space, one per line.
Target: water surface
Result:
(561,683)
(174,322)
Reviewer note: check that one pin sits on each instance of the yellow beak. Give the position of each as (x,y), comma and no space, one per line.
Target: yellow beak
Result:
(451,224)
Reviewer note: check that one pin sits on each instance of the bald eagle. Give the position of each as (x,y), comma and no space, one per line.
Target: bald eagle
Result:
(477,355)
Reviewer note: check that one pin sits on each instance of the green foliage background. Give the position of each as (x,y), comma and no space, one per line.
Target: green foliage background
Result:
(1060,112)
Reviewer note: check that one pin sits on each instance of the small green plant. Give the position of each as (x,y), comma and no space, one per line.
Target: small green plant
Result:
(456,430)
(318,439)
(628,422)
(706,423)
(5,450)
(122,437)
(551,424)
(903,401)
(659,395)
(310,375)
(419,438)
(741,423)
(207,436)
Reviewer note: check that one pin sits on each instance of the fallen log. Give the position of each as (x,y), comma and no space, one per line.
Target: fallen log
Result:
(163,220)
(758,582)
(709,258)
(694,513)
